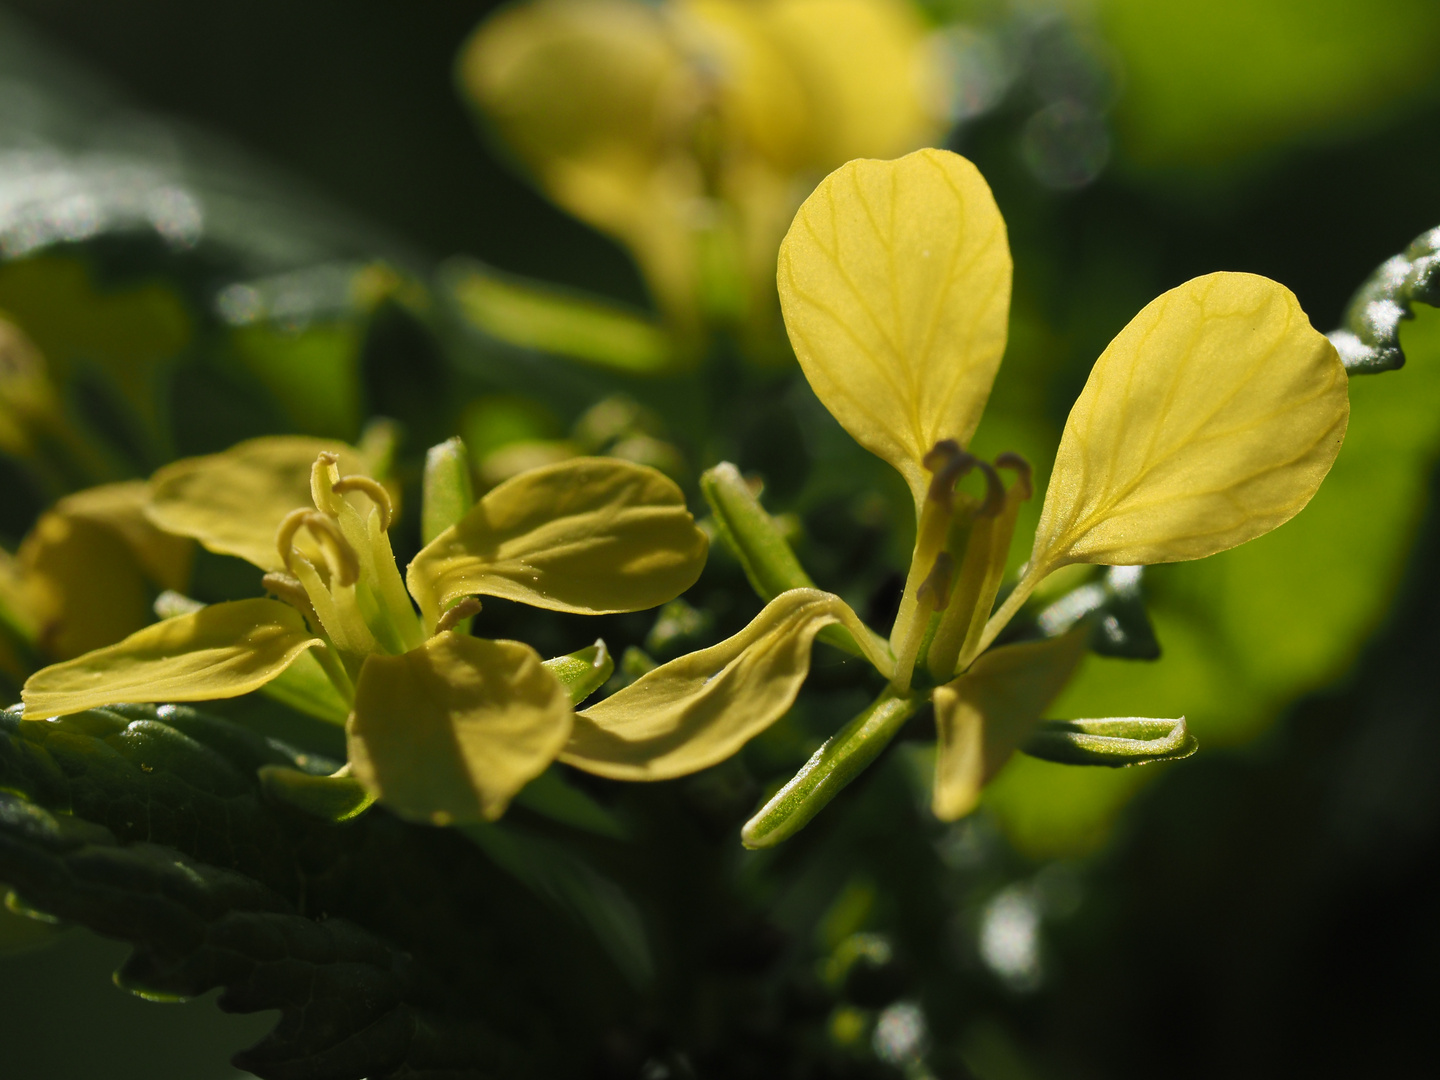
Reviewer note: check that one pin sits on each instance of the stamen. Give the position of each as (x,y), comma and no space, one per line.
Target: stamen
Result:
(344,563)
(458,614)
(994,491)
(374,489)
(934,591)
(947,463)
(285,534)
(288,588)
(1024,475)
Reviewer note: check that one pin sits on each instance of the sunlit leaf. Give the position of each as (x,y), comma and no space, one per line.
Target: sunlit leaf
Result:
(701,708)
(587,535)
(233,502)
(449,732)
(220,651)
(987,713)
(535,316)
(1208,421)
(895,283)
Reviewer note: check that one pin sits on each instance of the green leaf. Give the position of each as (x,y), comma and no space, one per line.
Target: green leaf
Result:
(329,798)
(1117,742)
(1369,336)
(533,315)
(382,956)
(574,887)
(305,687)
(554,797)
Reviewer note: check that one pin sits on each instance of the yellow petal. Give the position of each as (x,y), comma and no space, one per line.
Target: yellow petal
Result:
(449,732)
(84,586)
(165,559)
(698,710)
(220,651)
(589,535)
(984,715)
(233,502)
(895,283)
(595,98)
(1208,421)
(866,70)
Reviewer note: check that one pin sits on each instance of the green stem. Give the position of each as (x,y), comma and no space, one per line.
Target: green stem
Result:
(834,765)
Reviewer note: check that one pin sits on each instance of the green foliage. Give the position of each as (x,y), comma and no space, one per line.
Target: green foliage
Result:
(373,939)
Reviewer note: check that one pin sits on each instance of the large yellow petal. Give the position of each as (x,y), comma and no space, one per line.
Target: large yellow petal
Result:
(219,651)
(449,732)
(895,284)
(983,716)
(589,535)
(166,559)
(233,502)
(867,71)
(698,710)
(87,566)
(1208,421)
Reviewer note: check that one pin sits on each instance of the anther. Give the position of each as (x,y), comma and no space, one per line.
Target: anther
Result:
(994,491)
(374,489)
(947,464)
(1013,462)
(287,588)
(457,614)
(344,563)
(936,586)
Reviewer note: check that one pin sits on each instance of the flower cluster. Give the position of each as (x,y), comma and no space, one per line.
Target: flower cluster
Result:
(1209,420)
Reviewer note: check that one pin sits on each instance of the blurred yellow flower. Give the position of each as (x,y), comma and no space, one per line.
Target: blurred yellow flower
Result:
(690,130)
(1209,420)
(441,726)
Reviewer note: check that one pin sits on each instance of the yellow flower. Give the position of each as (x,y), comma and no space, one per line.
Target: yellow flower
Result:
(1210,419)
(83,577)
(441,726)
(689,130)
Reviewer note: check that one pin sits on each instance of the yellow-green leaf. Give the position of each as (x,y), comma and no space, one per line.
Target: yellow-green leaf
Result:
(220,651)
(1208,421)
(589,535)
(895,283)
(233,502)
(449,732)
(987,713)
(698,710)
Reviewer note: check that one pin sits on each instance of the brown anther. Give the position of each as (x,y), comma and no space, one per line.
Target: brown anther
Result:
(372,488)
(288,588)
(1013,462)
(947,463)
(994,491)
(291,524)
(936,586)
(457,614)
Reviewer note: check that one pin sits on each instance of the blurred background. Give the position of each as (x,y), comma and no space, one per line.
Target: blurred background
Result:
(1267,907)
